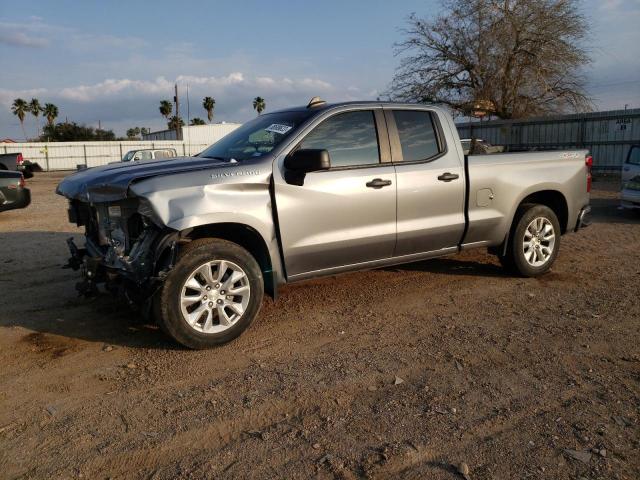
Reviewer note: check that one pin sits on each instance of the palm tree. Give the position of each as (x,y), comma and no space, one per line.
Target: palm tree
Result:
(166,107)
(20,109)
(198,121)
(259,104)
(175,123)
(35,108)
(50,112)
(209,103)
(132,133)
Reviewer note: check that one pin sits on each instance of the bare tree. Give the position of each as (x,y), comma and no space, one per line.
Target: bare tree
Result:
(508,58)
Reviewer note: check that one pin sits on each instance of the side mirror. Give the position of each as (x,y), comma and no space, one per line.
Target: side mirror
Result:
(308,160)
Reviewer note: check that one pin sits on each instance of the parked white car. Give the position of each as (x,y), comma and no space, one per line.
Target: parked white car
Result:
(149,154)
(630,194)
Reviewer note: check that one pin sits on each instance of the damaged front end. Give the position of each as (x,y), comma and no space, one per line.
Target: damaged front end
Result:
(126,248)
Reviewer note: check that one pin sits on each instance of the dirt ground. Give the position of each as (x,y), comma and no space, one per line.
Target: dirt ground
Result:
(394,373)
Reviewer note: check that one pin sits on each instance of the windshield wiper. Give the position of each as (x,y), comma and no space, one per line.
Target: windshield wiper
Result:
(216,158)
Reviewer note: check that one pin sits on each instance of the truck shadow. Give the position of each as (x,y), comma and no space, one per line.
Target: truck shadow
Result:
(37,294)
(475,266)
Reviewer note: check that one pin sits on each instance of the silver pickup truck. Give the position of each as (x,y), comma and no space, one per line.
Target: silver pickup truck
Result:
(312,191)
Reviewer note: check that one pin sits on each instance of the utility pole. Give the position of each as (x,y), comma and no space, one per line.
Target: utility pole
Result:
(188,107)
(177,102)
(188,121)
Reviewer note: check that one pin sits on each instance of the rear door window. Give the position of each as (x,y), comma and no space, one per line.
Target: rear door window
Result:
(417,134)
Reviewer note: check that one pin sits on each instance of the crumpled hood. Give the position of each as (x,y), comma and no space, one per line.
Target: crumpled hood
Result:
(111,182)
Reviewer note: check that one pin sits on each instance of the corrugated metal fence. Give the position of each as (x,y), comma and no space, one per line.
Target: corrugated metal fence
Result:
(608,135)
(67,155)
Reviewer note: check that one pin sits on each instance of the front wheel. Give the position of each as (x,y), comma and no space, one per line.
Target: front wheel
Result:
(212,294)
(534,241)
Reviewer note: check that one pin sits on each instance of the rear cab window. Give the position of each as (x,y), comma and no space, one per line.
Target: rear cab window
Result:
(418,135)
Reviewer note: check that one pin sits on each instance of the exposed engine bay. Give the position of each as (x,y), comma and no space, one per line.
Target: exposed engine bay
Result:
(126,248)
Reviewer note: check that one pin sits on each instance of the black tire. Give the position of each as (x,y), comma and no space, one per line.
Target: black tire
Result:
(27,172)
(514,260)
(191,256)
(156,301)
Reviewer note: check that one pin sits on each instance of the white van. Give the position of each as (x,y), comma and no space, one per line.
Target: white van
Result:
(630,194)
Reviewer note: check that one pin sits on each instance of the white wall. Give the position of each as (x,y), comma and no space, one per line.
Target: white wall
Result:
(67,155)
(209,133)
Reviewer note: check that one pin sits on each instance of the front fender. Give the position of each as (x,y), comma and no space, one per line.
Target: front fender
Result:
(244,199)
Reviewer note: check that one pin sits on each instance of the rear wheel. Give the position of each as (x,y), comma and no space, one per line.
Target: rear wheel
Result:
(212,295)
(534,241)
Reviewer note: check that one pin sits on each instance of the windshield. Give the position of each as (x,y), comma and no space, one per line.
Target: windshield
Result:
(128,156)
(256,137)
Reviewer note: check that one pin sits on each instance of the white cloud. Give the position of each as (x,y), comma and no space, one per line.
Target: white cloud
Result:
(125,87)
(125,102)
(29,34)
(36,33)
(114,87)
(235,78)
(7,96)
(21,39)
(84,42)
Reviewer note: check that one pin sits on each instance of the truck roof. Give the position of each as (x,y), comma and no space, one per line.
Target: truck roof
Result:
(327,106)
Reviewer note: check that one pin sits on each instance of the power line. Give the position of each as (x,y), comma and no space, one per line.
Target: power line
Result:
(613,84)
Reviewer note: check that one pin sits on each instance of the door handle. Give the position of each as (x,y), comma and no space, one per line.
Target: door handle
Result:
(447,177)
(378,183)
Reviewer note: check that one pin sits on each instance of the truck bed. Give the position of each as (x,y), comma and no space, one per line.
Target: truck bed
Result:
(498,183)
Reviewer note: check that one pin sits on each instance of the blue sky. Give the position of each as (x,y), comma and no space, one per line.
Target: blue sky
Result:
(113,61)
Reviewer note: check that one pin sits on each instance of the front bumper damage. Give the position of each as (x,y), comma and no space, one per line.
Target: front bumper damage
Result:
(88,266)
(127,252)
(127,246)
